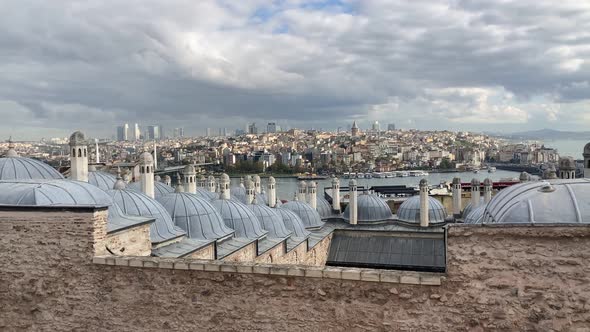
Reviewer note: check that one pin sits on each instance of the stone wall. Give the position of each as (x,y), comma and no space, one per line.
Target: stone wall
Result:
(519,278)
(272,255)
(245,254)
(318,255)
(207,252)
(133,241)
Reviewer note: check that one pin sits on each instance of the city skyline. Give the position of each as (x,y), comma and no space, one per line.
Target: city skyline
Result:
(424,65)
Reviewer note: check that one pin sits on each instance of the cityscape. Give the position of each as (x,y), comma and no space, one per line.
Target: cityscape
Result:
(335,165)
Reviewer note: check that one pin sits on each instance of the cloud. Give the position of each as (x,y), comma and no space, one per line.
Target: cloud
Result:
(457,63)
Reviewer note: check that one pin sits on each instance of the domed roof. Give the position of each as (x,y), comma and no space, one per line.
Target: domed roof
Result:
(293,223)
(555,201)
(238,193)
(102,180)
(240,218)
(206,194)
(19,168)
(189,170)
(587,150)
(324,208)
(262,198)
(77,138)
(475,216)
(138,204)
(64,193)
(470,208)
(567,163)
(160,188)
(196,216)
(271,221)
(310,217)
(146,158)
(370,208)
(409,211)
(224,177)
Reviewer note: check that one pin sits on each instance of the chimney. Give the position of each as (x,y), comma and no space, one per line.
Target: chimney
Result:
(474,193)
(146,174)
(424,208)
(250,190)
(257,184)
(352,202)
(224,186)
(190,183)
(211,183)
(78,157)
(272,192)
(457,192)
(312,194)
(302,191)
(336,194)
(487,190)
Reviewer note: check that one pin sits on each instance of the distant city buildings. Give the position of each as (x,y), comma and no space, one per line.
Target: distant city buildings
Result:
(155,132)
(252,129)
(391,127)
(123,132)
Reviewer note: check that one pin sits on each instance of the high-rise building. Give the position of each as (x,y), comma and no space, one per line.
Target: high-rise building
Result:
(154,132)
(208,133)
(136,132)
(376,126)
(252,129)
(122,132)
(271,127)
(178,132)
(391,126)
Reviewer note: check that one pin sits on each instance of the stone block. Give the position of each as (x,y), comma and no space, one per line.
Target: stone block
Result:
(276,270)
(314,272)
(387,276)
(228,268)
(99,260)
(296,272)
(260,269)
(181,266)
(409,279)
(166,265)
(352,274)
(332,273)
(110,260)
(150,263)
(430,280)
(196,266)
(370,276)
(244,268)
(211,267)
(135,262)
(121,261)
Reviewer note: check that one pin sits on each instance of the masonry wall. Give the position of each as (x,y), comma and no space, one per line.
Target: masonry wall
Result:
(134,241)
(207,252)
(526,278)
(245,254)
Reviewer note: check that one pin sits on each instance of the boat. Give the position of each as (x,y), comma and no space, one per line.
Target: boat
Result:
(312,177)
(491,169)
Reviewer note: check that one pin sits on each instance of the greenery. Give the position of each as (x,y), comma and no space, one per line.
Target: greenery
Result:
(446,164)
(246,166)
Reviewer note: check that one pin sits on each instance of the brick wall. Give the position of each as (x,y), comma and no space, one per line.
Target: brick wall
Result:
(522,278)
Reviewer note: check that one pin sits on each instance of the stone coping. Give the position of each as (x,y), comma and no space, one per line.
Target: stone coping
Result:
(327,272)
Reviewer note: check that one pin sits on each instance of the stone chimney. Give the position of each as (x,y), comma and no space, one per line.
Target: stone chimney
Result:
(211,183)
(353,202)
(424,208)
(336,194)
(312,194)
(257,184)
(190,179)
(487,190)
(78,157)
(250,190)
(457,200)
(302,191)
(475,196)
(224,186)
(146,174)
(272,192)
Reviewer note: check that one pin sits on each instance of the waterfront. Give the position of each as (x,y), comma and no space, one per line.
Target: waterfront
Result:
(287,187)
(568,147)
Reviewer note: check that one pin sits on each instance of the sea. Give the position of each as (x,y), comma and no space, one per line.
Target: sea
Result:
(572,148)
(287,187)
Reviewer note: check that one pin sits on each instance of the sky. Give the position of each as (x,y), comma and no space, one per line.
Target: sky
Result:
(481,65)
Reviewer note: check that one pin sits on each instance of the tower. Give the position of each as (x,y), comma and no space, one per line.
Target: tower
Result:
(302,191)
(474,193)
(78,157)
(249,191)
(211,183)
(272,192)
(424,208)
(312,194)
(457,192)
(586,156)
(354,131)
(336,194)
(567,168)
(352,202)
(202,182)
(190,181)
(224,186)
(487,190)
(97,151)
(146,173)
(167,180)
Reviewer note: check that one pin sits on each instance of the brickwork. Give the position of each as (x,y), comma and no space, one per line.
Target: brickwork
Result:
(245,254)
(273,255)
(130,242)
(208,252)
(521,278)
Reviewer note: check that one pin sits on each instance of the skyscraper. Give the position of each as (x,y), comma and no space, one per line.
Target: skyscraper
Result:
(122,132)
(376,126)
(391,126)
(252,129)
(208,134)
(154,132)
(271,127)
(136,132)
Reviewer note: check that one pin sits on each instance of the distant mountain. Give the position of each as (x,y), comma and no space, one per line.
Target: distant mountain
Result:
(550,134)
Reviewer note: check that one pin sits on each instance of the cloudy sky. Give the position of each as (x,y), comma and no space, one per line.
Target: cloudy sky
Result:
(459,64)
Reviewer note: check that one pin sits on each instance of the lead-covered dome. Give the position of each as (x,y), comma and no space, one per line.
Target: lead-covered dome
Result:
(196,216)
(567,163)
(541,202)
(238,193)
(409,211)
(371,208)
(77,138)
(293,223)
(20,168)
(138,204)
(146,158)
(475,216)
(271,221)
(324,208)
(470,208)
(160,188)
(102,180)
(586,152)
(310,217)
(240,218)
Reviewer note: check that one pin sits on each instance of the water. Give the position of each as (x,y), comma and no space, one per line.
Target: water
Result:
(573,148)
(287,187)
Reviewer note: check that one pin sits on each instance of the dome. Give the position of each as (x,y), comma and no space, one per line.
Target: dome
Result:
(102,180)
(475,216)
(278,203)
(586,150)
(189,170)
(324,208)
(541,202)
(138,204)
(19,168)
(196,216)
(160,188)
(469,207)
(224,177)
(64,193)
(271,221)
(310,217)
(146,159)
(238,193)
(293,223)
(206,194)
(262,198)
(240,218)
(409,211)
(370,208)
(77,138)
(567,163)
